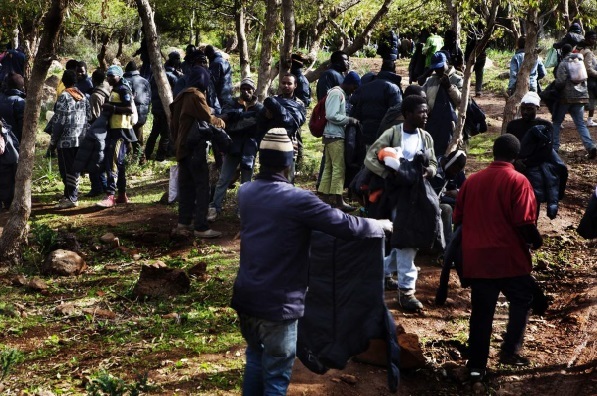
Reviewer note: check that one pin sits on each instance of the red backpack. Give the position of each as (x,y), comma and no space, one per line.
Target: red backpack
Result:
(318,121)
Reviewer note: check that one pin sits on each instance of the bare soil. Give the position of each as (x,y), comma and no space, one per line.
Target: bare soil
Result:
(561,344)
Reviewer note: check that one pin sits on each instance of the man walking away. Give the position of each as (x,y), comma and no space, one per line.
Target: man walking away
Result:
(142,97)
(497,211)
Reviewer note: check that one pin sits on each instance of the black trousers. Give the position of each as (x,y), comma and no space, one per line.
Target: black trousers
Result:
(66,160)
(193,188)
(7,184)
(484,296)
(159,129)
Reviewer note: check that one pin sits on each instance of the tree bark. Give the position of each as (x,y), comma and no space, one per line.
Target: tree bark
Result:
(101,56)
(153,46)
(288,44)
(245,62)
(458,136)
(358,42)
(267,44)
(15,231)
(454,12)
(522,80)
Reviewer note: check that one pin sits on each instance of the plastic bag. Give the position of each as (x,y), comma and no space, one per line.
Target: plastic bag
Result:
(173,184)
(551,58)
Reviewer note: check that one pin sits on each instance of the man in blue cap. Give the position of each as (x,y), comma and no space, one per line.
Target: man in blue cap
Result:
(120,132)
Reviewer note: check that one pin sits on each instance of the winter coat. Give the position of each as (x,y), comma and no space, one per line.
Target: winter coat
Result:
(416,66)
(570,92)
(187,108)
(212,98)
(344,308)
(85,85)
(537,72)
(11,150)
(90,154)
(221,74)
(100,94)
(289,114)
(241,126)
(303,90)
(432,86)
(543,167)
(141,93)
(388,46)
(370,103)
(417,223)
(71,122)
(156,101)
(442,120)
(13,61)
(335,113)
(327,80)
(12,109)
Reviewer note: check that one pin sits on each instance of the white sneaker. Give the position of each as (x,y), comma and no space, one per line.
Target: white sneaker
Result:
(591,123)
(212,214)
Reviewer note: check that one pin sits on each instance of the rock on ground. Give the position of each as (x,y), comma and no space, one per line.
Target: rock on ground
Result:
(64,262)
(156,281)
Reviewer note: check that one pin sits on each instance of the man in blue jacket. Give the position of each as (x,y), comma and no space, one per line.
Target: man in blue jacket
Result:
(269,292)
(12,103)
(332,77)
(142,97)
(221,73)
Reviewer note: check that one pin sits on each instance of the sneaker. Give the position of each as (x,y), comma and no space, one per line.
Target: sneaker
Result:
(66,203)
(476,375)
(107,202)
(207,234)
(593,153)
(514,359)
(591,123)
(409,302)
(390,283)
(183,230)
(122,199)
(212,214)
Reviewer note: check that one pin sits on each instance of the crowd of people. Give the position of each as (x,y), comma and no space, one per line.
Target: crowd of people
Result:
(386,144)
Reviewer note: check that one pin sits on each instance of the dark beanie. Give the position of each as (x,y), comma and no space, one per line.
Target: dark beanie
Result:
(506,147)
(198,78)
(352,78)
(131,66)
(15,81)
(275,149)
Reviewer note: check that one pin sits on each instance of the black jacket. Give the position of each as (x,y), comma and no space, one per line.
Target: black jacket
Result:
(241,126)
(156,101)
(344,307)
(303,90)
(90,154)
(12,109)
(141,92)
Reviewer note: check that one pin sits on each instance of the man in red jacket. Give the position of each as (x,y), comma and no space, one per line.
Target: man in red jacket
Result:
(495,252)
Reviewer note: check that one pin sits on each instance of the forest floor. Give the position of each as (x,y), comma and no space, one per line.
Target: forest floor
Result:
(191,344)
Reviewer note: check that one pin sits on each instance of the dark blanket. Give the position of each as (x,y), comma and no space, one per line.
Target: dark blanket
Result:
(344,307)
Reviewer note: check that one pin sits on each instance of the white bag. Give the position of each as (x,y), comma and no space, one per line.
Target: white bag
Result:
(173,184)
(576,69)
(135,115)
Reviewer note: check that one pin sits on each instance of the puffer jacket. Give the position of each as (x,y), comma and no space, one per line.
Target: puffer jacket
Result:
(12,108)
(303,90)
(388,46)
(141,93)
(90,154)
(156,101)
(543,167)
(370,103)
(289,114)
(570,92)
(241,126)
(221,74)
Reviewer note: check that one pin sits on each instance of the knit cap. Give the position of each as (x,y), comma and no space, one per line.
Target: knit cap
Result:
(506,147)
(531,98)
(275,150)
(249,82)
(352,78)
(115,70)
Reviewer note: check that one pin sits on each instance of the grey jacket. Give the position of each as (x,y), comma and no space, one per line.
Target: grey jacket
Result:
(571,92)
(335,113)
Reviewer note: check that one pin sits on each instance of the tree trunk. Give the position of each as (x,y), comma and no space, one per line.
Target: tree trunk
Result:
(288,44)
(153,46)
(15,231)
(454,13)
(522,80)
(231,43)
(120,45)
(101,56)
(245,62)
(458,137)
(267,44)
(358,42)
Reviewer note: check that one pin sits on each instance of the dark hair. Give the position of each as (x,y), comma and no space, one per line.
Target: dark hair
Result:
(450,34)
(131,66)
(521,42)
(410,103)
(506,147)
(97,77)
(209,51)
(15,81)
(289,75)
(190,48)
(69,78)
(337,56)
(566,49)
(388,65)
(413,90)
(71,64)
(82,64)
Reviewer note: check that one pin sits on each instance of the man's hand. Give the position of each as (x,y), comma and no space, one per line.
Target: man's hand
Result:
(108,108)
(386,225)
(444,81)
(218,122)
(353,121)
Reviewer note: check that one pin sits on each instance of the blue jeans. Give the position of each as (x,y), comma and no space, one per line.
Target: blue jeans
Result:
(226,175)
(271,349)
(404,262)
(577,112)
